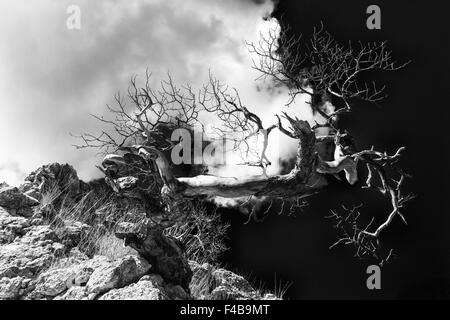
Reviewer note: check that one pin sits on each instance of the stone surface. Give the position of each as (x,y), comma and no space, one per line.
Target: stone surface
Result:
(31,254)
(149,287)
(72,232)
(28,271)
(10,288)
(53,176)
(161,251)
(53,282)
(74,293)
(11,227)
(269,296)
(15,202)
(117,274)
(33,250)
(210,283)
(143,290)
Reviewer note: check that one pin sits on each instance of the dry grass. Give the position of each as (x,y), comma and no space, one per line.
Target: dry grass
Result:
(279,291)
(99,212)
(201,286)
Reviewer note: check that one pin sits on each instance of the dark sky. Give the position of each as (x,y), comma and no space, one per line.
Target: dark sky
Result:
(415,115)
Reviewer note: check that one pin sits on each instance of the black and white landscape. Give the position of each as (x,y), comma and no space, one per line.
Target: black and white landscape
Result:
(223,150)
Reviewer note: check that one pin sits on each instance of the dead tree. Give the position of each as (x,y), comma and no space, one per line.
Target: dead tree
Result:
(322,67)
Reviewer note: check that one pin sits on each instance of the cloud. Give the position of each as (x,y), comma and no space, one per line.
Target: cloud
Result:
(52,77)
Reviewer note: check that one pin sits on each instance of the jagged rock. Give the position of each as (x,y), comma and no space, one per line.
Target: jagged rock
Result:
(26,272)
(10,288)
(128,176)
(31,254)
(209,283)
(86,279)
(143,290)
(117,274)
(172,291)
(22,259)
(11,227)
(156,279)
(231,286)
(73,271)
(162,252)
(15,202)
(32,267)
(269,296)
(53,176)
(149,287)
(55,281)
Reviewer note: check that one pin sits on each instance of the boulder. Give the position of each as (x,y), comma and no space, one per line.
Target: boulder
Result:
(163,252)
(53,177)
(149,287)
(33,250)
(11,227)
(30,254)
(142,290)
(74,271)
(78,277)
(74,293)
(10,288)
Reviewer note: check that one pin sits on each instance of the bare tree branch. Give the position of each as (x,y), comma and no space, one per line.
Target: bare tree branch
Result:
(322,68)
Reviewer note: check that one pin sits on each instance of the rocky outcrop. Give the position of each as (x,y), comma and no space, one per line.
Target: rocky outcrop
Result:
(149,287)
(16,202)
(117,274)
(28,256)
(92,277)
(40,261)
(11,227)
(35,264)
(12,288)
